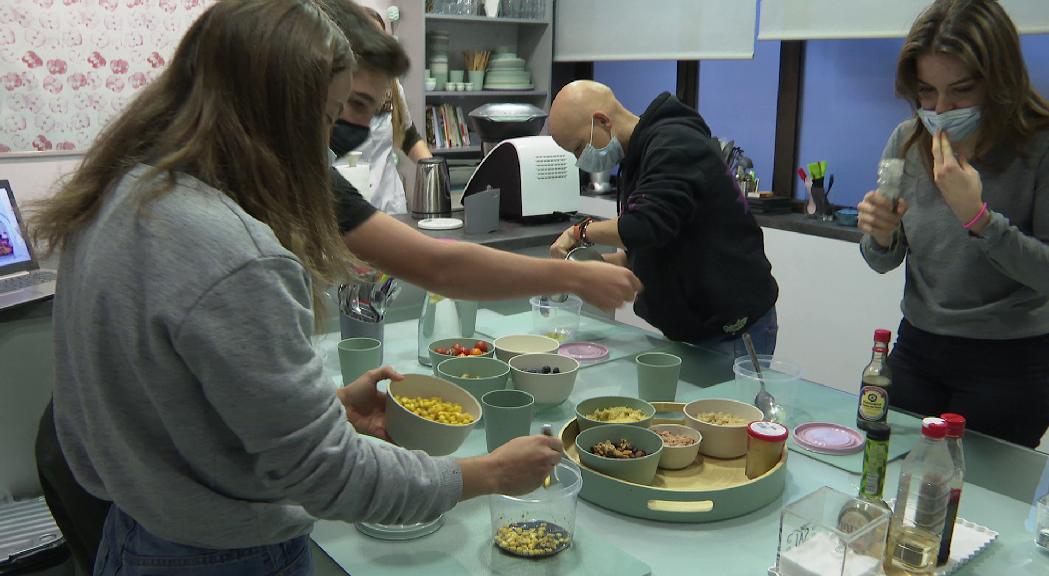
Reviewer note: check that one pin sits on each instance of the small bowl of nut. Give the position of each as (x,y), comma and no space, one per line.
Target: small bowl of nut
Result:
(680,445)
(542,522)
(430,414)
(622,451)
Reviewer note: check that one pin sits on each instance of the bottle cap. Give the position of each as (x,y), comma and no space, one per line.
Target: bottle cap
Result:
(955,424)
(934,427)
(879,431)
(767,431)
(882,335)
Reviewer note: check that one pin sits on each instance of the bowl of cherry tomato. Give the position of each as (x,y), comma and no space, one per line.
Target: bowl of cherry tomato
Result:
(441,350)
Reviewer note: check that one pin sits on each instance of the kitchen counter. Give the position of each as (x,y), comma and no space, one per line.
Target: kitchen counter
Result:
(510,235)
(803,224)
(1001,483)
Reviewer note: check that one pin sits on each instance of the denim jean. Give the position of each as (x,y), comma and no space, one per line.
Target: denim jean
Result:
(127,549)
(763,332)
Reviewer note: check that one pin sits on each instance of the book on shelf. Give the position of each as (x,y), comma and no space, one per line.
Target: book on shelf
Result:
(446,126)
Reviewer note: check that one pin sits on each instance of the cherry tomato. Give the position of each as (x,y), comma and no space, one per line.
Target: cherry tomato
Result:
(443,351)
(482,346)
(476,352)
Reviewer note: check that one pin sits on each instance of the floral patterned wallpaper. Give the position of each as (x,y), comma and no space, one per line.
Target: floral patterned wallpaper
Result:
(68,66)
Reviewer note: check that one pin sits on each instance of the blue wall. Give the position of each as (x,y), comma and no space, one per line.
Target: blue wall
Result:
(737,98)
(637,83)
(848,108)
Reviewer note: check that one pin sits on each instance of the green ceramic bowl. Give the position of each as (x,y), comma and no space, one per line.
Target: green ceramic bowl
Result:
(509,346)
(590,404)
(637,470)
(436,358)
(414,432)
(548,389)
(678,457)
(477,375)
(722,440)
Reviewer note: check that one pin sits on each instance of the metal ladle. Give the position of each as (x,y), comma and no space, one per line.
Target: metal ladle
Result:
(764,401)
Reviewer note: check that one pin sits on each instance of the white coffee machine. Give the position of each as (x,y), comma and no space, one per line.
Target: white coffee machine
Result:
(538,180)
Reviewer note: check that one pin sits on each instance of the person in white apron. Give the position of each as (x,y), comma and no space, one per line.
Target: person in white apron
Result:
(387,188)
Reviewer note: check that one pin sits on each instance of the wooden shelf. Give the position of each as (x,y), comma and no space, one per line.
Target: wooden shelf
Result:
(456,150)
(483,93)
(483,19)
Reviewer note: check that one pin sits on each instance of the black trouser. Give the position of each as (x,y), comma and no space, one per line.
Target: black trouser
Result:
(1000,386)
(79,515)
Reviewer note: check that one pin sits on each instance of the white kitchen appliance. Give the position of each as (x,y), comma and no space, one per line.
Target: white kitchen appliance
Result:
(538,180)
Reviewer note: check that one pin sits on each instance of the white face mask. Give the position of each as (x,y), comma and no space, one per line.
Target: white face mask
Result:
(959,124)
(603,159)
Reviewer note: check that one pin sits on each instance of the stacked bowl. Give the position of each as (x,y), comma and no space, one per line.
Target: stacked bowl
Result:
(507,72)
(437,48)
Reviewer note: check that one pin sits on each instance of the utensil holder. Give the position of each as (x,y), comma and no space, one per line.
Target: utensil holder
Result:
(476,78)
(824,210)
(351,327)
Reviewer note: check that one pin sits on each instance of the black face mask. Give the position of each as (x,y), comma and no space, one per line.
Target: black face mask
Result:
(346,137)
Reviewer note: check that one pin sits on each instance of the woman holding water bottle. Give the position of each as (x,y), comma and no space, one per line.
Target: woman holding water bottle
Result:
(972,224)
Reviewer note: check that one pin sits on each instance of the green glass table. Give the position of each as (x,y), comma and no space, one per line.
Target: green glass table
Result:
(1002,483)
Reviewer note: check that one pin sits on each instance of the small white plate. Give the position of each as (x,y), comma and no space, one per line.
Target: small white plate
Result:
(440,223)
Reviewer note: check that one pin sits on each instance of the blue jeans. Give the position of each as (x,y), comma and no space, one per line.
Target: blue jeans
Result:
(128,549)
(763,332)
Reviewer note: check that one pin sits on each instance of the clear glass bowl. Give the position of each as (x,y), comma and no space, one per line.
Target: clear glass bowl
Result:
(548,512)
(553,319)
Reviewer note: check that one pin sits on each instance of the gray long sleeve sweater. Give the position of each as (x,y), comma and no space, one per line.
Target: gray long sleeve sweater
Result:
(187,390)
(995,286)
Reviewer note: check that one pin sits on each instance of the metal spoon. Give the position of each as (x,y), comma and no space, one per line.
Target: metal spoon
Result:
(764,401)
(552,477)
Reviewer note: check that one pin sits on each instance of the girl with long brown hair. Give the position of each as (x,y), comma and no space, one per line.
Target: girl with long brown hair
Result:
(194,238)
(972,225)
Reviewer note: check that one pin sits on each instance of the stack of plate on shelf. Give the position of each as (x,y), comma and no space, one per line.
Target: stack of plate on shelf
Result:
(437,48)
(507,72)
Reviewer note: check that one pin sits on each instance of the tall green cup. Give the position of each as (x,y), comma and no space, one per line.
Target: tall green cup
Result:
(357,356)
(507,415)
(657,376)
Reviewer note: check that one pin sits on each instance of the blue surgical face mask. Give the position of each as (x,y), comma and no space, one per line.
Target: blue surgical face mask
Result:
(959,124)
(600,159)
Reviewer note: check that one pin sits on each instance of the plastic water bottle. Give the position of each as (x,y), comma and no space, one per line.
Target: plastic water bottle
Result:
(921,504)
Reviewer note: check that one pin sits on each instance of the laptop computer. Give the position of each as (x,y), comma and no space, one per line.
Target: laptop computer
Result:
(21,279)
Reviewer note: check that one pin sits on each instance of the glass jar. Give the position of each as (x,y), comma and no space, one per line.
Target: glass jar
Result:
(547,512)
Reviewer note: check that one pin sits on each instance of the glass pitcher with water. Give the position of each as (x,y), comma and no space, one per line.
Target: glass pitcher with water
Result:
(444,318)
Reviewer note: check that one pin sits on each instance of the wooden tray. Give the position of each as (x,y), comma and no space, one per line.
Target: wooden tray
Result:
(709,489)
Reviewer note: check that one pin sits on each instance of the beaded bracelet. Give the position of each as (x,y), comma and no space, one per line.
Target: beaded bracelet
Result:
(971,223)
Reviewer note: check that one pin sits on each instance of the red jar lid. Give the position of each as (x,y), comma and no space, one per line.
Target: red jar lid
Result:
(955,424)
(767,431)
(934,427)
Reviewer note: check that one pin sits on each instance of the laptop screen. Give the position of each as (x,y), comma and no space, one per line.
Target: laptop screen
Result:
(14,252)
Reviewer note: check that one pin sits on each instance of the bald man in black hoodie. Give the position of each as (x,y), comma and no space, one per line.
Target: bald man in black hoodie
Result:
(683,227)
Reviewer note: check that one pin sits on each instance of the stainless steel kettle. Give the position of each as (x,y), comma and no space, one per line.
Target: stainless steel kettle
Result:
(432,197)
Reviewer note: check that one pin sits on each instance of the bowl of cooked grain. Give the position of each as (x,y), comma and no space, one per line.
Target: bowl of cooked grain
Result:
(430,414)
(601,410)
(723,424)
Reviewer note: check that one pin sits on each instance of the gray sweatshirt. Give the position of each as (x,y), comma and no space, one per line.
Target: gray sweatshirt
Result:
(995,286)
(187,390)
